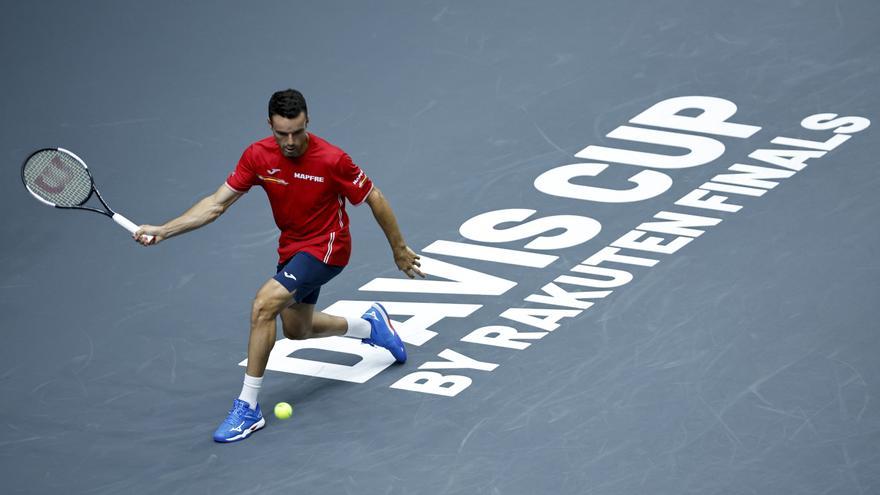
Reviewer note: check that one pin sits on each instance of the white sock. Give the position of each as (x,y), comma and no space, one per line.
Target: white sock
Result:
(358,327)
(251,390)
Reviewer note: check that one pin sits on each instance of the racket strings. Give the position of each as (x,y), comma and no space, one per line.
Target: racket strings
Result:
(58,178)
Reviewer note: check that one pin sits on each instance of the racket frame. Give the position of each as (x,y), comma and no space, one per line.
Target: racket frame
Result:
(118,218)
(92,189)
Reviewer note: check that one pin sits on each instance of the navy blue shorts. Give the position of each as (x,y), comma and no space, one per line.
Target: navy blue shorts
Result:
(305,274)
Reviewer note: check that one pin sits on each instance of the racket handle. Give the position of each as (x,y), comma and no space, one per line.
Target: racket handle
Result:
(128,225)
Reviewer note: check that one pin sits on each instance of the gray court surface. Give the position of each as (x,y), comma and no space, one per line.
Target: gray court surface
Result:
(743,363)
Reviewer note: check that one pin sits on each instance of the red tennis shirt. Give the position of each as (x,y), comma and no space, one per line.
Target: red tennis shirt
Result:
(307,195)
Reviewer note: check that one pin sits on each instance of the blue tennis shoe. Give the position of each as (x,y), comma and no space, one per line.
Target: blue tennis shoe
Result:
(241,422)
(382,333)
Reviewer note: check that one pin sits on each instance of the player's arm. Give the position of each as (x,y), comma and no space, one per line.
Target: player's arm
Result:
(202,213)
(407,261)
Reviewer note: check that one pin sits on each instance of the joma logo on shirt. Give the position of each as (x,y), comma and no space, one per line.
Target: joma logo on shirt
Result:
(313,178)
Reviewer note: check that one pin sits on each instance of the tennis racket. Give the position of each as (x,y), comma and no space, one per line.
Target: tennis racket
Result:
(57,177)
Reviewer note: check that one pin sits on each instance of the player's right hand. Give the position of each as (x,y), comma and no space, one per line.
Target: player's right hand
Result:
(140,236)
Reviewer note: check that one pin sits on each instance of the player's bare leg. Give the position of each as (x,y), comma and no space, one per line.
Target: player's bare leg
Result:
(271,299)
(245,416)
(300,321)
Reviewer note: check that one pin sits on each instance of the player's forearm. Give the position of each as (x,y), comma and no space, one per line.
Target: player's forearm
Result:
(202,213)
(387,221)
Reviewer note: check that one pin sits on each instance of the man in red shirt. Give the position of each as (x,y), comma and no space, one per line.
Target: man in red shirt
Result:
(307,181)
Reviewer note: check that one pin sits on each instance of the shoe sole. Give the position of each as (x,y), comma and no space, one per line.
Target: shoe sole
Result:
(387,320)
(254,427)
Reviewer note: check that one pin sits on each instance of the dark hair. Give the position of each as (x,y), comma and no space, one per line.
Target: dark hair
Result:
(288,103)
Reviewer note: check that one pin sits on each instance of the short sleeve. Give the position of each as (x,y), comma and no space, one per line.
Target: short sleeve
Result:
(243,177)
(353,182)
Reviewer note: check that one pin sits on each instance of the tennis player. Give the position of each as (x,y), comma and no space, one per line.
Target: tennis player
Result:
(307,181)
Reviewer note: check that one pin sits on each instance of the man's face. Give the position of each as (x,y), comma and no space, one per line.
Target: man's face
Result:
(290,134)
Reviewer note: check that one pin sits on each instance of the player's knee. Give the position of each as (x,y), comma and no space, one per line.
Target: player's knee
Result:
(296,328)
(292,333)
(264,308)
(268,302)
(296,331)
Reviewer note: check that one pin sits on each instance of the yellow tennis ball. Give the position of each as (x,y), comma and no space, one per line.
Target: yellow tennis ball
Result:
(283,410)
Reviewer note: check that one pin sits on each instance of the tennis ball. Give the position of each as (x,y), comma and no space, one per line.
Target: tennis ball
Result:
(283,410)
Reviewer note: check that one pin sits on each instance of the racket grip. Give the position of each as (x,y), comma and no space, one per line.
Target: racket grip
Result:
(128,225)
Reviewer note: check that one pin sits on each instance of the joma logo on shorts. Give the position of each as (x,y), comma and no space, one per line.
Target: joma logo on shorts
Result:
(313,178)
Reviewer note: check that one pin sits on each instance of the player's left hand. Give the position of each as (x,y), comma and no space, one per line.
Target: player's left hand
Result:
(408,262)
